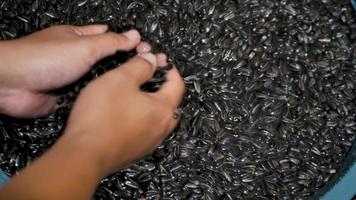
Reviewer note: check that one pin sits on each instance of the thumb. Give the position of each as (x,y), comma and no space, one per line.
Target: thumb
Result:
(90,29)
(109,43)
(138,69)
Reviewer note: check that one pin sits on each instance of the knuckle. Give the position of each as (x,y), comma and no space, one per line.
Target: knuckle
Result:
(91,50)
(57,28)
(69,28)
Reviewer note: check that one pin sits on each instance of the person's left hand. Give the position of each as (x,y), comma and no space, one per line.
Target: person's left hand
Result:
(50,59)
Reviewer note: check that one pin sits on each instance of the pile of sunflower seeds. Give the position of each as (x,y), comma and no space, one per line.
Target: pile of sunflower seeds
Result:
(270,107)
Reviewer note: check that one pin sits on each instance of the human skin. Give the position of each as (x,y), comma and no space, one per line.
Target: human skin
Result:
(112,124)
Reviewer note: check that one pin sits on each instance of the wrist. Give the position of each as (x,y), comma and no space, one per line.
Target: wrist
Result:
(90,150)
(80,154)
(107,154)
(70,170)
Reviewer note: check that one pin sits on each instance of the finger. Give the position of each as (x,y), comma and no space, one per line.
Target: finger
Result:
(90,29)
(161,60)
(40,105)
(48,105)
(172,90)
(143,48)
(109,43)
(139,69)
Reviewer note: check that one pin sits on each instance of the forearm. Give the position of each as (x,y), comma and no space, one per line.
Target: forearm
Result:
(68,171)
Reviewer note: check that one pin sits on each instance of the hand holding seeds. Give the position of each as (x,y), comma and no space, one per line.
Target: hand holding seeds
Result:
(113,122)
(50,59)
(118,119)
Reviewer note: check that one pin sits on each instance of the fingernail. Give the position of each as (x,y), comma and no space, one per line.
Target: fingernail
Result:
(143,48)
(150,58)
(132,35)
(103,27)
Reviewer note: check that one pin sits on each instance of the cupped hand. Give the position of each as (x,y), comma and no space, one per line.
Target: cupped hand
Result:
(112,123)
(49,59)
(112,117)
(117,121)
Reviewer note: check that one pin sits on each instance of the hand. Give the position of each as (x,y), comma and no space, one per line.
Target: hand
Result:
(50,59)
(119,122)
(112,123)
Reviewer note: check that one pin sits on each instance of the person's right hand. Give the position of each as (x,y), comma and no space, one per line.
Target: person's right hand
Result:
(118,122)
